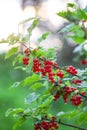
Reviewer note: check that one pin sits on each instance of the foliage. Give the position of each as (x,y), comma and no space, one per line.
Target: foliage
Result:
(47,81)
(76,29)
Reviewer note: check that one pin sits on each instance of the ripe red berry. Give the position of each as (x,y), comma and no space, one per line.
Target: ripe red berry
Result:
(46,125)
(56,97)
(36,65)
(77,81)
(76,100)
(72,70)
(83,61)
(60,74)
(25,60)
(68,90)
(60,81)
(65,98)
(83,93)
(53,118)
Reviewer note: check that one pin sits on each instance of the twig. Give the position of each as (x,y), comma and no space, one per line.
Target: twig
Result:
(70,125)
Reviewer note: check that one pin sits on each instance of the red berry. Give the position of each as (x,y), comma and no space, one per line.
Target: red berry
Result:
(60,81)
(46,125)
(36,65)
(60,74)
(83,61)
(56,96)
(68,90)
(27,52)
(83,93)
(77,81)
(53,118)
(72,70)
(76,100)
(65,97)
(25,60)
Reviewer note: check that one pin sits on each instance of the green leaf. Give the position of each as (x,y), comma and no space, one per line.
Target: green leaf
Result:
(81,14)
(26,20)
(67,28)
(47,101)
(70,16)
(34,24)
(11,52)
(70,5)
(77,39)
(43,37)
(19,123)
(12,38)
(11,111)
(40,53)
(80,33)
(29,80)
(18,59)
(25,38)
(68,115)
(31,98)
(36,86)
(62,14)
(71,28)
(73,114)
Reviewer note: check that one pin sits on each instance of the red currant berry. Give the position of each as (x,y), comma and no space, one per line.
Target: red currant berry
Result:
(25,60)
(83,61)
(27,52)
(60,74)
(72,70)
(76,100)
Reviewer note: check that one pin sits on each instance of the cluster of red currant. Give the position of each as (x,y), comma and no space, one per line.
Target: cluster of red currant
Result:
(68,93)
(55,75)
(72,70)
(45,68)
(46,125)
(26,57)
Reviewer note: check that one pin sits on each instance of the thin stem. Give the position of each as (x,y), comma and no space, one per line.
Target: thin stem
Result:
(70,125)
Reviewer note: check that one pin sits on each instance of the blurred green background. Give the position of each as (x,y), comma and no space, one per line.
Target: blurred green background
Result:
(11,97)
(14,97)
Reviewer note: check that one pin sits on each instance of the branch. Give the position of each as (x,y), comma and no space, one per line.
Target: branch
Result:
(70,125)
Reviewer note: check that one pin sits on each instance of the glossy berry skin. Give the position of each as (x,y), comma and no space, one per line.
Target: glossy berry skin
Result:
(76,100)
(36,65)
(67,92)
(60,74)
(49,70)
(77,81)
(72,70)
(46,125)
(25,60)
